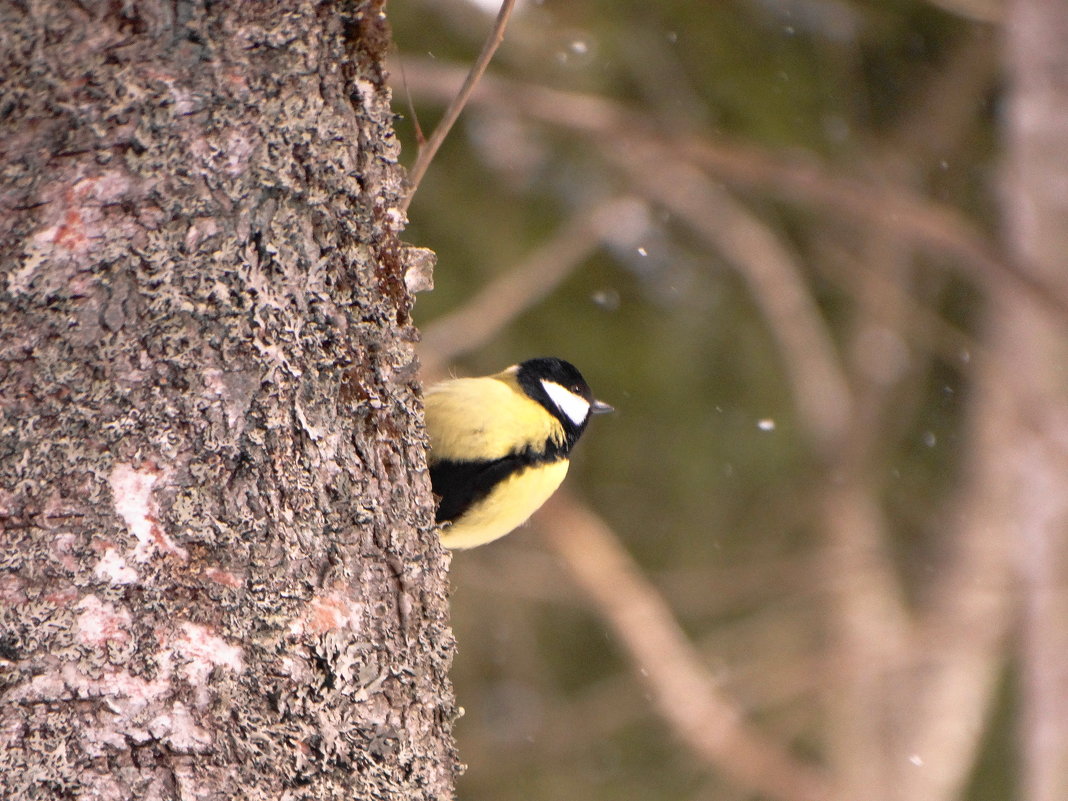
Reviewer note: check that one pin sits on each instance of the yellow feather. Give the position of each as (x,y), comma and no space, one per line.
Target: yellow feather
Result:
(508,506)
(485,418)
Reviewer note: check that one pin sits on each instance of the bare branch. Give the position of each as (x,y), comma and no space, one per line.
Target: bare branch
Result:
(452,113)
(935,229)
(480,319)
(775,279)
(709,723)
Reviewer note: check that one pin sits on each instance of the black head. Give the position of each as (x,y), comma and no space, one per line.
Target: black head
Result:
(562,390)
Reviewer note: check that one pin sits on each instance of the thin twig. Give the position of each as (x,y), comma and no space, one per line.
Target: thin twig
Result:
(480,319)
(452,113)
(936,229)
(420,137)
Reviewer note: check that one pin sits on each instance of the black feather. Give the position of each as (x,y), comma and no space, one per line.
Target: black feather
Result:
(531,373)
(461,484)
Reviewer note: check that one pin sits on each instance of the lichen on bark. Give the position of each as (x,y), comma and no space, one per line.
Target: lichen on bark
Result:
(218,574)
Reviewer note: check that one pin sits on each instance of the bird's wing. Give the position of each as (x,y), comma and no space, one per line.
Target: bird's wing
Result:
(462,484)
(484,419)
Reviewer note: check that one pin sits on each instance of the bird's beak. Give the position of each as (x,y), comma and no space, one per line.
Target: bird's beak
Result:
(600,407)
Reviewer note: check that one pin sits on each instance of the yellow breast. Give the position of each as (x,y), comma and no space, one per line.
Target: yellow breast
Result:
(507,506)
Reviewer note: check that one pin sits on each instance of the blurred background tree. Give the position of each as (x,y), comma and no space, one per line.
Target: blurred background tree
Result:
(813,252)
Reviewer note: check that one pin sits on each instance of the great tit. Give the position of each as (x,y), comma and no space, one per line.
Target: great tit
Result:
(499,445)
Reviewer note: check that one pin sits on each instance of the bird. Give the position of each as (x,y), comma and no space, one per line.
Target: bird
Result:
(499,445)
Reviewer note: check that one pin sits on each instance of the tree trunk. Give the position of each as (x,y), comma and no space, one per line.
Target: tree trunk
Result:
(219,577)
(1037,349)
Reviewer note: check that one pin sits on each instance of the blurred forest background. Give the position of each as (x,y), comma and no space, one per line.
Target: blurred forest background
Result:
(813,251)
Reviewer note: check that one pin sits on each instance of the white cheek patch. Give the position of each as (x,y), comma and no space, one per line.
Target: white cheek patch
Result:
(574,406)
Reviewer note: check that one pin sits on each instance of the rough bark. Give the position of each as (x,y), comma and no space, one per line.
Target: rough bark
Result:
(218,577)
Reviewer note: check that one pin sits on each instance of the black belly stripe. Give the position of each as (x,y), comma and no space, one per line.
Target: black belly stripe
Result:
(461,484)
